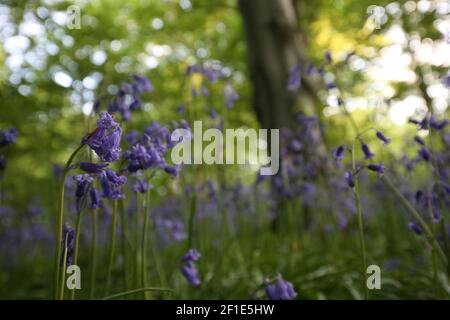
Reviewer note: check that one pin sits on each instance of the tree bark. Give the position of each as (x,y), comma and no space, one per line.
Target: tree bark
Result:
(274,45)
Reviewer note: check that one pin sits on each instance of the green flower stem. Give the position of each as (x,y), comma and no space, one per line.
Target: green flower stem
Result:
(121,294)
(93,254)
(191,222)
(75,252)
(123,241)
(63,273)
(112,248)
(59,222)
(429,235)
(144,239)
(362,244)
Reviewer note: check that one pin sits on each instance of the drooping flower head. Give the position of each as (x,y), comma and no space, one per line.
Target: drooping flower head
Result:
(105,140)
(188,268)
(112,184)
(83,185)
(95,199)
(95,168)
(382,137)
(367,153)
(140,186)
(231,96)
(376,168)
(339,153)
(281,290)
(350,179)
(8,137)
(294,81)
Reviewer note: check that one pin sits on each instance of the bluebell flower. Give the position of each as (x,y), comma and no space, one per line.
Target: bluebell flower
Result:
(415,227)
(367,153)
(69,240)
(446,81)
(140,186)
(309,69)
(230,96)
(142,84)
(328,57)
(8,137)
(188,268)
(294,80)
(112,184)
(339,153)
(376,168)
(281,290)
(425,154)
(95,199)
(83,185)
(105,140)
(90,167)
(382,137)
(350,179)
(419,140)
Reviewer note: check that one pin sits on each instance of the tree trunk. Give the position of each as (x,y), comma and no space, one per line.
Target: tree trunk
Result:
(275,45)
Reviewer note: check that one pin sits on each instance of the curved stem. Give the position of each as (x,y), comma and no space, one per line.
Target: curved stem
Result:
(75,252)
(59,222)
(112,248)
(144,239)
(63,274)
(362,244)
(429,235)
(121,294)
(93,254)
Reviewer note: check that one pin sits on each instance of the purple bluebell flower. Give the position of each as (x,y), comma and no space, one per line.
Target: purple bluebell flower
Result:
(415,227)
(141,84)
(376,168)
(425,154)
(419,140)
(437,125)
(112,184)
(281,290)
(350,179)
(95,199)
(367,153)
(383,138)
(181,109)
(105,140)
(294,80)
(339,153)
(83,185)
(328,57)
(140,186)
(188,268)
(309,69)
(330,85)
(204,90)
(8,137)
(68,243)
(90,167)
(230,96)
(172,170)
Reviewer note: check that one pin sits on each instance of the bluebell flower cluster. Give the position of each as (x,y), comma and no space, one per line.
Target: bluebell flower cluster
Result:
(105,140)
(148,151)
(7,137)
(128,99)
(281,290)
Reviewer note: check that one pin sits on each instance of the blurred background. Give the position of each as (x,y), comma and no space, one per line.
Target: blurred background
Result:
(346,64)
